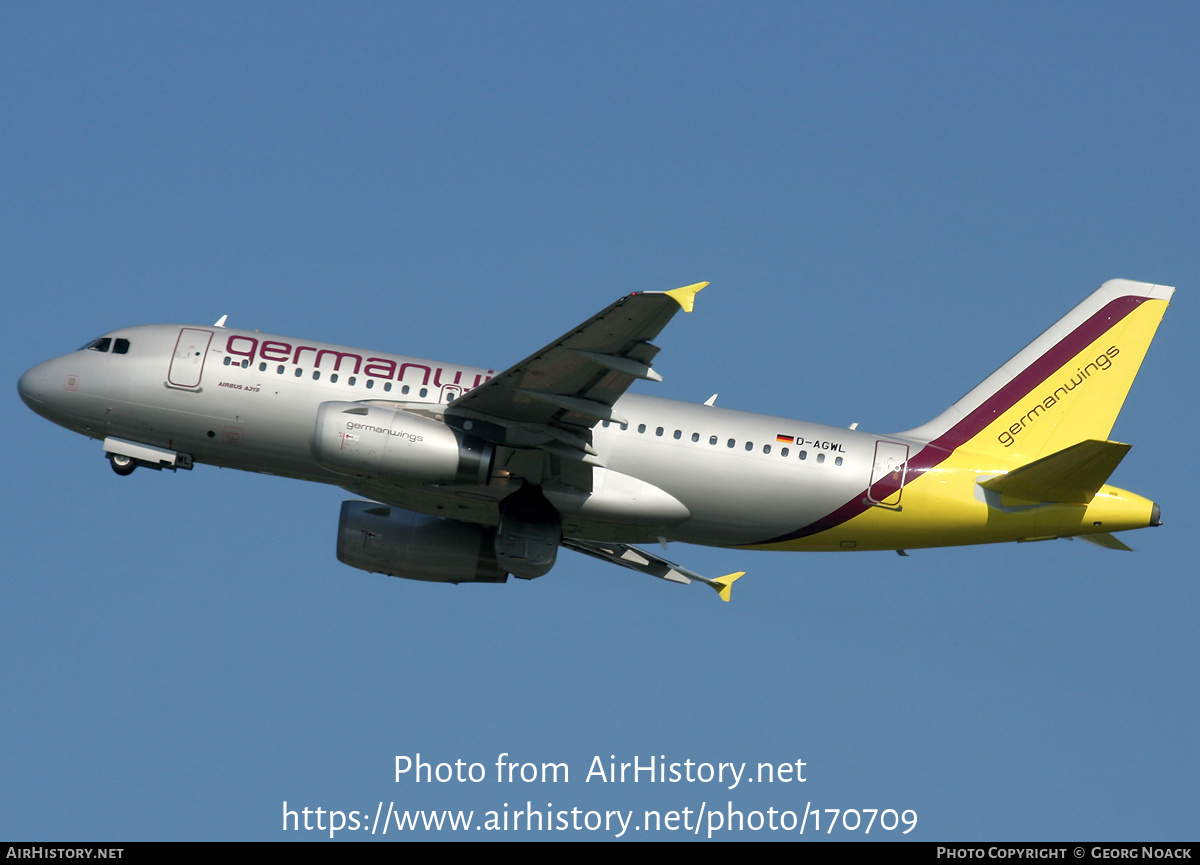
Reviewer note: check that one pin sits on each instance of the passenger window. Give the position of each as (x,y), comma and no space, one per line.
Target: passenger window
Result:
(121,346)
(803,455)
(604,424)
(262,367)
(387,386)
(732,442)
(783,452)
(404,389)
(351,381)
(370,383)
(658,431)
(279,369)
(695,437)
(678,433)
(316,375)
(712,440)
(749,446)
(424,391)
(838,461)
(299,372)
(766,449)
(624,426)
(820,458)
(333,378)
(641,427)
(228,360)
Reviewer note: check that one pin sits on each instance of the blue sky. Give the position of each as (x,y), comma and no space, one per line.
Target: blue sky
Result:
(888,199)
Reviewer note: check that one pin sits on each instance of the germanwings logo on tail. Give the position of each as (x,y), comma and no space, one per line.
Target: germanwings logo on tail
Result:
(1101,363)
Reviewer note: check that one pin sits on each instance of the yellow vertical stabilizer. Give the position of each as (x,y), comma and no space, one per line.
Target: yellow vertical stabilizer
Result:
(1065,387)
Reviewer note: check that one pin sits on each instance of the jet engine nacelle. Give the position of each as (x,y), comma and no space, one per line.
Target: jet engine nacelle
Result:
(372,441)
(387,540)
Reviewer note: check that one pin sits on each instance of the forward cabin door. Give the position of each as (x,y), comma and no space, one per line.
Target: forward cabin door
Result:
(188,361)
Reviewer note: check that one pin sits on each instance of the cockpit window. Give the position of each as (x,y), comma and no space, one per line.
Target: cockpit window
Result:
(121,346)
(101,344)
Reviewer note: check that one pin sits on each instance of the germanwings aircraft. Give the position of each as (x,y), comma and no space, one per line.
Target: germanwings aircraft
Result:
(468,475)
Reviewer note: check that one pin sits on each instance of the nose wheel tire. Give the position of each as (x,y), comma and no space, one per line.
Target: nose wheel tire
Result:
(122,464)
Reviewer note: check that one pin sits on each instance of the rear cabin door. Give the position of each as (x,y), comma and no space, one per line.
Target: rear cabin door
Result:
(888,473)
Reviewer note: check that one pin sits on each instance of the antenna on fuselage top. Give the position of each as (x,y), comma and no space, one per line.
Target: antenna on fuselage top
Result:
(221,321)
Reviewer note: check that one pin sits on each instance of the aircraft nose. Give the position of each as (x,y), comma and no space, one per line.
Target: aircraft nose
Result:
(32,387)
(41,388)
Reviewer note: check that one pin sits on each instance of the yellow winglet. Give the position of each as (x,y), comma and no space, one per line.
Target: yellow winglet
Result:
(686,297)
(722,585)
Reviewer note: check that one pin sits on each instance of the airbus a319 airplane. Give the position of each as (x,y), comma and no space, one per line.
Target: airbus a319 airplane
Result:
(470,475)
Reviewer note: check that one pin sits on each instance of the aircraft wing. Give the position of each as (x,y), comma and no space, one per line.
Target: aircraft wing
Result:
(554,397)
(646,562)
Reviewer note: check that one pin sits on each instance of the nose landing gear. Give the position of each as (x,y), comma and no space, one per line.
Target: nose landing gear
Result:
(124,456)
(121,464)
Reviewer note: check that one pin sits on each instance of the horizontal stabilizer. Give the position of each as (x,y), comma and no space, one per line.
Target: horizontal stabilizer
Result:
(1106,539)
(1071,476)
